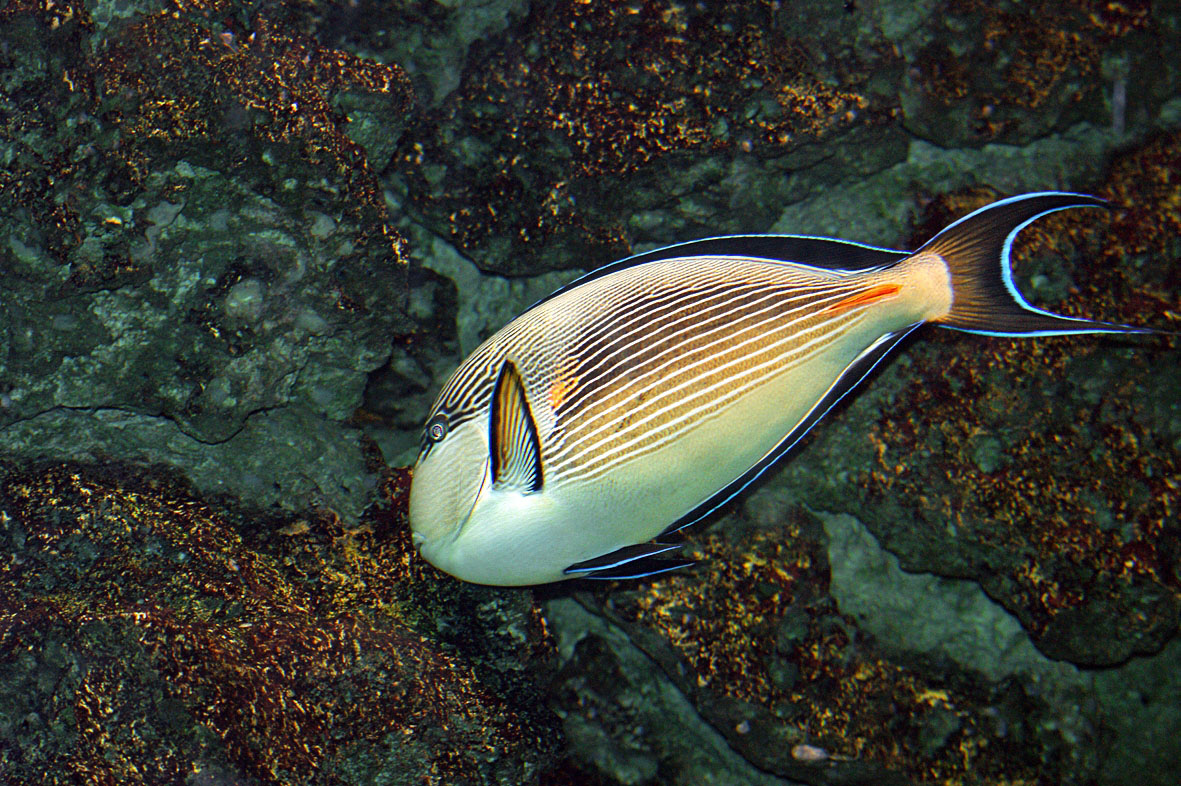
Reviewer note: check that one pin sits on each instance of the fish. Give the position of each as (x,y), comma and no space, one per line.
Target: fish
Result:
(579,439)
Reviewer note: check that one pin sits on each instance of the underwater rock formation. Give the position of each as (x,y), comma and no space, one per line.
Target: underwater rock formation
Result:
(569,145)
(149,637)
(752,636)
(1048,471)
(241,237)
(195,247)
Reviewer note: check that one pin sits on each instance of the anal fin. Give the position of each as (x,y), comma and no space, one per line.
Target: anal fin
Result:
(629,562)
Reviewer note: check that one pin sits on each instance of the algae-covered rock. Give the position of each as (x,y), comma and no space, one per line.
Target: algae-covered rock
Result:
(238,239)
(595,126)
(981,72)
(752,637)
(1068,522)
(194,246)
(148,637)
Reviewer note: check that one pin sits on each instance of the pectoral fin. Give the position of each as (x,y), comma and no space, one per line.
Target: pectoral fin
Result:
(515,450)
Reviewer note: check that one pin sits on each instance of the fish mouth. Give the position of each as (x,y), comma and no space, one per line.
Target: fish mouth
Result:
(421,541)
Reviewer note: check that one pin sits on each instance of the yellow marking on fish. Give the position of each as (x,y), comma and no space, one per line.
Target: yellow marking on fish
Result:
(865,297)
(564,384)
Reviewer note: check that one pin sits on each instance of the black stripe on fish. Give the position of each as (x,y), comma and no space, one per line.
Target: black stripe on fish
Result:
(467,392)
(636,561)
(646,408)
(610,361)
(630,562)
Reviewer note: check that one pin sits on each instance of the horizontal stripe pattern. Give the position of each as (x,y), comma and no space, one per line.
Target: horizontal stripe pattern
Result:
(619,367)
(468,393)
(677,368)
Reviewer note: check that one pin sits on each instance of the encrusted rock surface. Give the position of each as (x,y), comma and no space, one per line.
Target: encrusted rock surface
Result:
(245,241)
(147,637)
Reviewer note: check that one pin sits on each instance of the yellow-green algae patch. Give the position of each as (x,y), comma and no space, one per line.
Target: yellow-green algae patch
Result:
(751,635)
(152,642)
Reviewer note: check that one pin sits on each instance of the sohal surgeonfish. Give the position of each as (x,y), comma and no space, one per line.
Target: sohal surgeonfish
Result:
(635,400)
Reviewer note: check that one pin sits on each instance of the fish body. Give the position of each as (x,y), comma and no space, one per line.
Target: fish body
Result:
(632,402)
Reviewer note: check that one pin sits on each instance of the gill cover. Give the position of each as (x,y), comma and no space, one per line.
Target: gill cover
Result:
(447,482)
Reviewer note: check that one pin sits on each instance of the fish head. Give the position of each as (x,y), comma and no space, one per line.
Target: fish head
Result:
(477,504)
(449,477)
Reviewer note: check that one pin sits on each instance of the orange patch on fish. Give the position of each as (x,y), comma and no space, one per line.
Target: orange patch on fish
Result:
(866,296)
(562,387)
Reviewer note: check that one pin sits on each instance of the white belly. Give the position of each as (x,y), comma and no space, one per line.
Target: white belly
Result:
(514,538)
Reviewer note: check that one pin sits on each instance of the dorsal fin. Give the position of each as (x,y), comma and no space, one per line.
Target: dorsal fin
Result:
(819,252)
(516,452)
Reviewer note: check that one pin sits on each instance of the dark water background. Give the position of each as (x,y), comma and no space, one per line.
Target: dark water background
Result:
(245,243)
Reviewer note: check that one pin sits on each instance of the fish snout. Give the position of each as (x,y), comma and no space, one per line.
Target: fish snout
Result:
(446,485)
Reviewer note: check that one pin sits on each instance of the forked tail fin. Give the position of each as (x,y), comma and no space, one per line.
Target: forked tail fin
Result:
(976,249)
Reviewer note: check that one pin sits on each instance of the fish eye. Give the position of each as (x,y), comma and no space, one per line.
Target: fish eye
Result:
(436,428)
